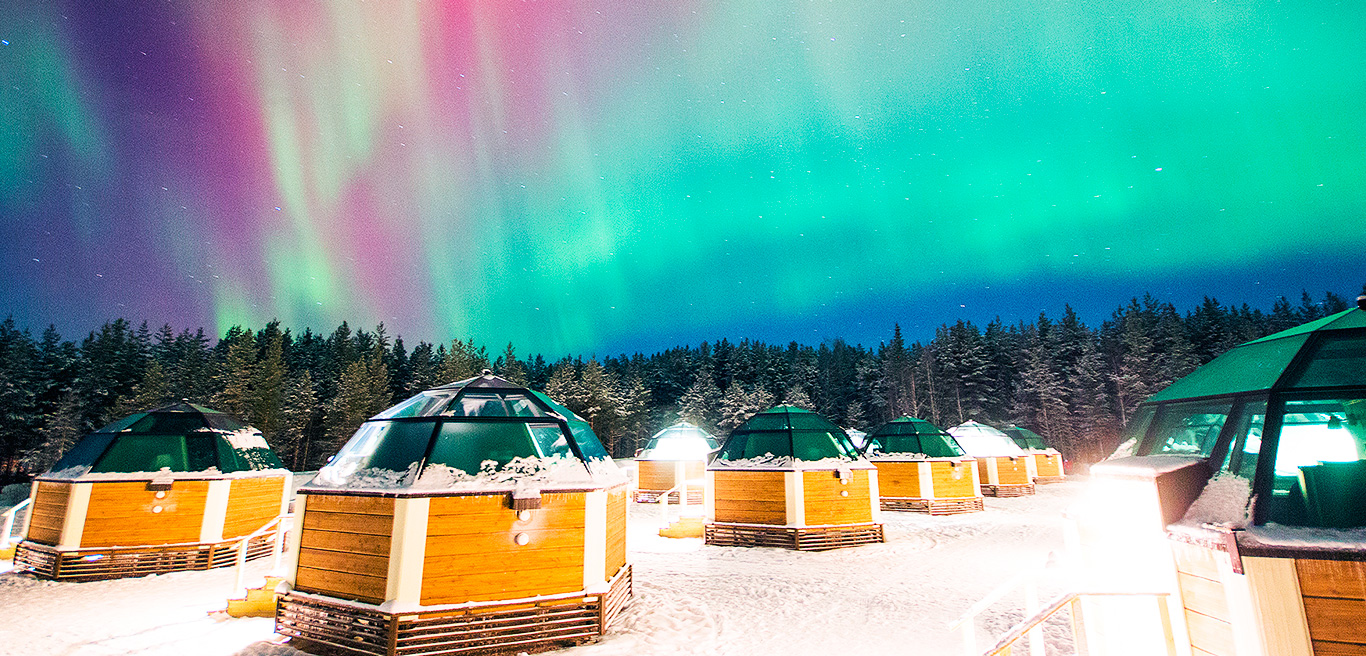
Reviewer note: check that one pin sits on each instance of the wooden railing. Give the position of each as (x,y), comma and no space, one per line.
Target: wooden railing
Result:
(282,525)
(1072,601)
(9,521)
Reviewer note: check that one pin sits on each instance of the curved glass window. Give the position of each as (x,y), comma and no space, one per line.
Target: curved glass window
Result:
(391,446)
(1335,361)
(421,405)
(1319,477)
(1241,458)
(132,453)
(85,452)
(468,445)
(1187,429)
(756,444)
(934,446)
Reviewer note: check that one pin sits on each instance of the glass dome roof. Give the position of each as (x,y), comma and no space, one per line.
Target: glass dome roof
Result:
(909,435)
(681,441)
(982,441)
(480,428)
(787,432)
(1286,412)
(181,437)
(1025,438)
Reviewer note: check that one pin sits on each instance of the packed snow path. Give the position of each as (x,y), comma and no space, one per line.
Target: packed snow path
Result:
(893,598)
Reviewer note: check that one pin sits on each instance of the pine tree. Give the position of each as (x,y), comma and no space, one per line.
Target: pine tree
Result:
(797,398)
(235,373)
(700,404)
(18,394)
(297,416)
(424,369)
(511,368)
(635,415)
(64,428)
(268,382)
(464,360)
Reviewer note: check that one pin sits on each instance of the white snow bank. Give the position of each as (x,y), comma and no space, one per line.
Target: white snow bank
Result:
(245,438)
(1223,501)
(770,461)
(1277,535)
(527,473)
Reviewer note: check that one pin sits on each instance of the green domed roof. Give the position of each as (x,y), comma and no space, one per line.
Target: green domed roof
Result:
(787,432)
(913,436)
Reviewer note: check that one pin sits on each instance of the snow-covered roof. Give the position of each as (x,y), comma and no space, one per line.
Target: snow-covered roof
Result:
(681,441)
(181,438)
(982,441)
(482,433)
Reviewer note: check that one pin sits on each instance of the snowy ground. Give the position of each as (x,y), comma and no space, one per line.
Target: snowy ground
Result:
(893,598)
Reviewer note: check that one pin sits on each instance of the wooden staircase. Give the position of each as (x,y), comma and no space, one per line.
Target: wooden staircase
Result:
(259,602)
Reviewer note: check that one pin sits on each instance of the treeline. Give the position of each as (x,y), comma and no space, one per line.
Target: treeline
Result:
(1075,384)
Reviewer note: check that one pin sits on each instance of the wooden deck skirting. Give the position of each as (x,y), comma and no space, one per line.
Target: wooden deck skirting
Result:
(100,563)
(324,627)
(1007,490)
(695,496)
(934,506)
(1040,480)
(811,538)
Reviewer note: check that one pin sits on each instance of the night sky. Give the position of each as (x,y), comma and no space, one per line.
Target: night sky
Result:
(608,175)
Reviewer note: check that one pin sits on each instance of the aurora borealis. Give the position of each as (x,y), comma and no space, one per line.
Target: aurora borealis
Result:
(597,175)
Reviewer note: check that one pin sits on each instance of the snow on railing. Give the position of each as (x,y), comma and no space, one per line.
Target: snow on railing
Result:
(9,522)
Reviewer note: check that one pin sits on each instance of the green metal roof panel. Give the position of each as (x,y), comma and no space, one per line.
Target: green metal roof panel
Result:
(1251,367)
(1353,318)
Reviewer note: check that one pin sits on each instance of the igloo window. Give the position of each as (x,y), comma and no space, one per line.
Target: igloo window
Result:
(1319,477)
(1188,429)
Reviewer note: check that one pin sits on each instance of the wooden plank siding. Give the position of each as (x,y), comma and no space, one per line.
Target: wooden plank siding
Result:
(1204,599)
(127,514)
(344,547)
(48,513)
(1334,594)
(950,481)
(472,555)
(655,474)
(900,478)
(252,502)
(1012,471)
(617,503)
(827,506)
(750,497)
(1048,465)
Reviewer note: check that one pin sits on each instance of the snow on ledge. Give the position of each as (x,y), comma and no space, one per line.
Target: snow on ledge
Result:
(555,472)
(79,474)
(1144,466)
(770,461)
(1336,539)
(1224,501)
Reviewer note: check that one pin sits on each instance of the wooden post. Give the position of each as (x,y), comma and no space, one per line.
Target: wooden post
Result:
(1031,593)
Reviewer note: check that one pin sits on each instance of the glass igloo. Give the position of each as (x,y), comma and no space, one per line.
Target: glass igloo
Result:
(921,468)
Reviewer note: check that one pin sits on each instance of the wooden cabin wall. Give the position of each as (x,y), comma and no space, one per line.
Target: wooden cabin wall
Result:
(252,502)
(1048,464)
(124,513)
(1202,592)
(750,497)
(344,546)
(1009,471)
(48,512)
(655,474)
(617,503)
(471,554)
(950,481)
(1334,593)
(824,504)
(899,479)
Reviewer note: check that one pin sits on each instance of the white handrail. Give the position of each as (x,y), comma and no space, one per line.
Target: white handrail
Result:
(241,561)
(9,521)
(1031,625)
(682,489)
(1030,580)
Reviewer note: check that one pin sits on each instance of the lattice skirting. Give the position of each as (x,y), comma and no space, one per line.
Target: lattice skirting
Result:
(652,496)
(327,627)
(1048,479)
(934,506)
(1008,490)
(124,562)
(811,538)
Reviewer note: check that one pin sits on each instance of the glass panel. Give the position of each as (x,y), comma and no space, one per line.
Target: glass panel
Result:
(1188,429)
(425,404)
(817,445)
(767,421)
(519,405)
(588,442)
(1247,368)
(1320,471)
(1247,441)
(478,404)
(145,453)
(549,439)
(84,453)
(466,445)
(222,422)
(757,444)
(1335,361)
(122,423)
(384,445)
(1135,432)
(169,423)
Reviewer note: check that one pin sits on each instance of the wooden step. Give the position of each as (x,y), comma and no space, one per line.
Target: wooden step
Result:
(685,527)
